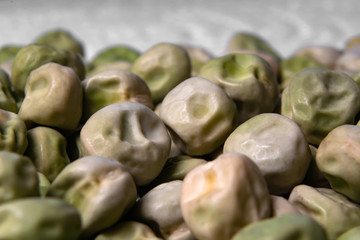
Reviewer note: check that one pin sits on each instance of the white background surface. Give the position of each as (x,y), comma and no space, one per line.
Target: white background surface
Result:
(286,24)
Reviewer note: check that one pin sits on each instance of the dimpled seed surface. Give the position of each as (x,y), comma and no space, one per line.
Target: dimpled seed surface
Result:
(338,159)
(207,24)
(247,79)
(222,196)
(47,150)
(162,67)
(100,188)
(7,100)
(13,137)
(33,56)
(130,133)
(332,210)
(283,162)
(199,114)
(53,97)
(114,86)
(160,209)
(39,219)
(319,100)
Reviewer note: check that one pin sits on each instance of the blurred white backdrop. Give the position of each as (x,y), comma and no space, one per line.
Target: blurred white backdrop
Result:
(286,24)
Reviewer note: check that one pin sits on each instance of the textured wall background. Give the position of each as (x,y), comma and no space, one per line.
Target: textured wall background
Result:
(286,24)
